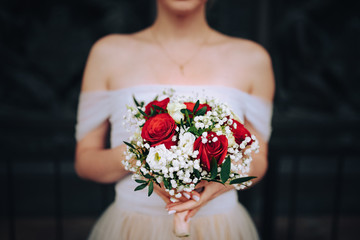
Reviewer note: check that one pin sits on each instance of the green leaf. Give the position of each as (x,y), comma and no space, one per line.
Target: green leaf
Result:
(200,131)
(130,145)
(151,188)
(193,130)
(185,110)
(213,168)
(167,184)
(215,180)
(148,176)
(158,184)
(158,108)
(197,173)
(225,170)
(241,180)
(142,112)
(147,166)
(136,102)
(151,112)
(196,106)
(202,111)
(140,187)
(156,98)
(140,181)
(211,180)
(187,117)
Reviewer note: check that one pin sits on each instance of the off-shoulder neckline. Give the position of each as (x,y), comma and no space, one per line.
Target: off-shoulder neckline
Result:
(175,86)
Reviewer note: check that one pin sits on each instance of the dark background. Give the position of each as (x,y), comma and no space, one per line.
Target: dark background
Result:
(312,187)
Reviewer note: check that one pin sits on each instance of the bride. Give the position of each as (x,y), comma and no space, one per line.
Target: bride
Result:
(182,52)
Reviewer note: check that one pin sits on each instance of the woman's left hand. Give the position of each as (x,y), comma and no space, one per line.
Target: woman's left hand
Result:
(211,190)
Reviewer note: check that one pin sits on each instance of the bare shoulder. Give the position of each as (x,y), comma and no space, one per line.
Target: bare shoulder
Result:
(254,64)
(259,66)
(104,54)
(107,44)
(110,46)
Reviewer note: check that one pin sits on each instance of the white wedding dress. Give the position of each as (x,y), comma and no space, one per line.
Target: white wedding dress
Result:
(134,215)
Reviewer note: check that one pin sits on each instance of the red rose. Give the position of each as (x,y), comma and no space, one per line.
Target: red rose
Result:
(159,130)
(210,149)
(163,104)
(190,106)
(240,132)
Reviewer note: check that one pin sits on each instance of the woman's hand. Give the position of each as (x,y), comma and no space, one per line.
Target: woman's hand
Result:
(186,196)
(210,191)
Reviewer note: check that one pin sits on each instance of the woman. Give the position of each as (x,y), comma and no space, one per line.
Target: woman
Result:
(181,51)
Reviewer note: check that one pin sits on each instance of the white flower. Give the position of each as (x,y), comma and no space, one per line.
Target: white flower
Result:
(231,140)
(173,183)
(186,142)
(157,157)
(174,111)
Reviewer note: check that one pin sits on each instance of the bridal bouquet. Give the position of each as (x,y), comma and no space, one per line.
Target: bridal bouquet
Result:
(181,140)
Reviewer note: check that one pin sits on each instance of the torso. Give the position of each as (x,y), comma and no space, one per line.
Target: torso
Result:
(136,59)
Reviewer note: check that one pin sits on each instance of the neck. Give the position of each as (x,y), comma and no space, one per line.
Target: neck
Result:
(177,26)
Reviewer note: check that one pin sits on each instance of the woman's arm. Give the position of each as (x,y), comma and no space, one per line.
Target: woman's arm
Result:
(92,160)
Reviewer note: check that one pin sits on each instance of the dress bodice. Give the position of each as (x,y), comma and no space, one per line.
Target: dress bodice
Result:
(97,106)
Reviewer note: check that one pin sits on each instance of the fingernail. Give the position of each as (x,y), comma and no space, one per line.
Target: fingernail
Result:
(188,220)
(186,195)
(196,198)
(173,199)
(171,212)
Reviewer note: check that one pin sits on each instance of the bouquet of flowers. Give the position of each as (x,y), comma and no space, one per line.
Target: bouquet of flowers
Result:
(181,140)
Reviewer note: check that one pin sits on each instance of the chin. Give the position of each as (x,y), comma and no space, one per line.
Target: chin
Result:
(182,7)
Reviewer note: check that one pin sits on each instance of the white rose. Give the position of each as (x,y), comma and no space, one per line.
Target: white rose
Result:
(174,111)
(186,142)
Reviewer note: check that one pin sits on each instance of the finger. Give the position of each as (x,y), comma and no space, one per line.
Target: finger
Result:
(209,192)
(201,184)
(180,207)
(191,213)
(162,194)
(185,196)
(189,196)
(195,196)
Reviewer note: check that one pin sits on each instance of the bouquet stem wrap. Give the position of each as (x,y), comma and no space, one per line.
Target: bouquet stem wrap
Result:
(181,227)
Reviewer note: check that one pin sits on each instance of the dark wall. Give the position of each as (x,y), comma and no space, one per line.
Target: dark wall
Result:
(310,191)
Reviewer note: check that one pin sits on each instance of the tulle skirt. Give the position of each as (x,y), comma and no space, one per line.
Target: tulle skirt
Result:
(134,216)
